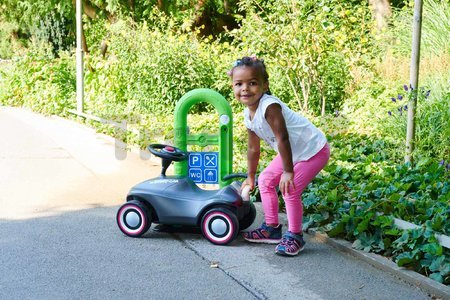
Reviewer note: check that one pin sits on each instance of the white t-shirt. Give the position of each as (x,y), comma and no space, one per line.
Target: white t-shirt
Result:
(305,138)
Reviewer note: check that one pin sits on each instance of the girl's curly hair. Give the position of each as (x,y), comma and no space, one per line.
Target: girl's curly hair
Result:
(253,62)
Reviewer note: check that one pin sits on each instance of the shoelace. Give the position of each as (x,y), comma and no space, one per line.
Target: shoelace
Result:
(287,241)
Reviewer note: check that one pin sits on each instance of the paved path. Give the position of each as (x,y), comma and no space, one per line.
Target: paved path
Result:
(60,187)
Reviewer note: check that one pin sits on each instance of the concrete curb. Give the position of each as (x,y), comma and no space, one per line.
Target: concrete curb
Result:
(426,284)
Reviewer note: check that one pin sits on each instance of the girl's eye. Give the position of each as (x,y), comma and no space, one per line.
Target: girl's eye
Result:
(253,83)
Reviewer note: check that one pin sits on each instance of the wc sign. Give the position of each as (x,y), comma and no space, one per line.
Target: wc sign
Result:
(203,167)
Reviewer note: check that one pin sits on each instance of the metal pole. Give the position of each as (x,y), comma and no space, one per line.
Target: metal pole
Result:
(79,55)
(414,79)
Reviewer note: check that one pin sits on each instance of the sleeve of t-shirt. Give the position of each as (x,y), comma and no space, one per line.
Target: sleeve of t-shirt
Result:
(247,118)
(268,101)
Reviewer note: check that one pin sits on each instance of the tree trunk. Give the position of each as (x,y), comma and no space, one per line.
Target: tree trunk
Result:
(200,11)
(226,7)
(381,9)
(132,5)
(89,9)
(323,105)
(161,5)
(83,42)
(305,91)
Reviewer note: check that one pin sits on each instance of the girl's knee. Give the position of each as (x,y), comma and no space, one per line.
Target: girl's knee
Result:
(266,179)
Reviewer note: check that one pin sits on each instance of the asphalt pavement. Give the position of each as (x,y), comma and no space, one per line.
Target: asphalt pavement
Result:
(61,184)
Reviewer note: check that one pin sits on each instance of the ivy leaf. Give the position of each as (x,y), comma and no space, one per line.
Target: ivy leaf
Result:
(427,261)
(383,221)
(445,269)
(405,259)
(401,241)
(332,195)
(310,199)
(433,248)
(363,225)
(395,197)
(364,242)
(436,263)
(338,229)
(437,276)
(437,223)
(392,231)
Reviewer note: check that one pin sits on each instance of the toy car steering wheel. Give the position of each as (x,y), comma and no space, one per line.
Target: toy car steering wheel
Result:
(168,152)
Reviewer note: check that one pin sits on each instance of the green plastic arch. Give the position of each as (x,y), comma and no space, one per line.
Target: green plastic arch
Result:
(224,138)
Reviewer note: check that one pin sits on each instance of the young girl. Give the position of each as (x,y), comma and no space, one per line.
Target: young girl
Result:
(302,152)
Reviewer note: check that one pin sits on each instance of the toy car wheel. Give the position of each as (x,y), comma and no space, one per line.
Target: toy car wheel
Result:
(248,219)
(220,226)
(133,218)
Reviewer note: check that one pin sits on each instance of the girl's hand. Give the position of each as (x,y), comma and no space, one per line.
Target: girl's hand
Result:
(250,182)
(287,183)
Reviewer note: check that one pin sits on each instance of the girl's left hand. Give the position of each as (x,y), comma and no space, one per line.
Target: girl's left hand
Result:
(287,183)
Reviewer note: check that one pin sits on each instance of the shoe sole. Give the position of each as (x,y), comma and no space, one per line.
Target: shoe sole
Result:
(282,253)
(263,241)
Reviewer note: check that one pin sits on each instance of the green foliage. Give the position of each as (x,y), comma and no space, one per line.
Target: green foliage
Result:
(6,41)
(419,250)
(55,30)
(360,192)
(314,45)
(435,28)
(40,82)
(432,122)
(360,178)
(151,71)
(27,14)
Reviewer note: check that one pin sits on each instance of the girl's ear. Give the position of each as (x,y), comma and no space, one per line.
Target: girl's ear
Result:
(266,86)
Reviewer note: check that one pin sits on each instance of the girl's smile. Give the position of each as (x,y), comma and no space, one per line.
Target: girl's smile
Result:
(248,86)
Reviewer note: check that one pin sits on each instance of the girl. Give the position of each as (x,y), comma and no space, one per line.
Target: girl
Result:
(302,152)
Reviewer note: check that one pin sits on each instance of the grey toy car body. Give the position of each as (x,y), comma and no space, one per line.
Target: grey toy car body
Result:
(177,200)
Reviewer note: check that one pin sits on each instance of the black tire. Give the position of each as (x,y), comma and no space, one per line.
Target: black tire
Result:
(220,226)
(133,218)
(248,219)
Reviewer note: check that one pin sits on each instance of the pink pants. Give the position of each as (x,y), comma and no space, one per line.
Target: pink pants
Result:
(304,173)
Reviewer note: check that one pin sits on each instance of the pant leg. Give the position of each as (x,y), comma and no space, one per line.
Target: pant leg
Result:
(268,180)
(304,173)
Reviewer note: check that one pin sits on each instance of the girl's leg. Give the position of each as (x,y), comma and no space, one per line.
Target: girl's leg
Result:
(304,173)
(270,231)
(268,180)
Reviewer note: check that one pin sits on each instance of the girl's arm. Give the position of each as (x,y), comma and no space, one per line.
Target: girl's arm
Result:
(276,121)
(253,152)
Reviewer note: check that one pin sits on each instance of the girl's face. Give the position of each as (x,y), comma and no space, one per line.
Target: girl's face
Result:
(248,85)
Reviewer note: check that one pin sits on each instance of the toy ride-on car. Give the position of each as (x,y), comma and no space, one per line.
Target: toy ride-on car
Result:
(177,200)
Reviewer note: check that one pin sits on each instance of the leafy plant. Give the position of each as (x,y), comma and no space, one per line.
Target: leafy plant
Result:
(305,38)
(432,125)
(419,250)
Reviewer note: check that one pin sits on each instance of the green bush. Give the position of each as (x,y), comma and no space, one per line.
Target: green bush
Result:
(310,48)
(40,82)
(151,71)
(435,28)
(6,43)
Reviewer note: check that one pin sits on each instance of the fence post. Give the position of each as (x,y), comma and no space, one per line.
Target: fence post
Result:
(79,55)
(414,79)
